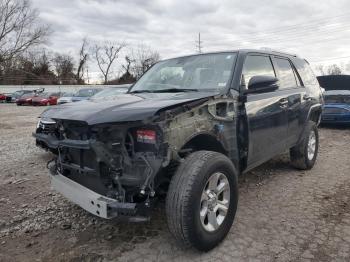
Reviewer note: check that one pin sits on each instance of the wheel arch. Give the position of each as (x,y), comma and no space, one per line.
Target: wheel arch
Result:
(314,114)
(203,141)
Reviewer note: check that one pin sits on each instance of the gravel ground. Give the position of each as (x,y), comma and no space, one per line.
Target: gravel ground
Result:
(283,214)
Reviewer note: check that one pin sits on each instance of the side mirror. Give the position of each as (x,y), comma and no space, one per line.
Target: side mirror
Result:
(262,84)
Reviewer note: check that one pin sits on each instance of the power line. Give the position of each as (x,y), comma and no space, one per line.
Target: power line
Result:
(329,59)
(305,24)
(300,35)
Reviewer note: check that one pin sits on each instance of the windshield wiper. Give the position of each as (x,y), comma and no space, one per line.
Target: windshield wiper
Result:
(140,91)
(175,90)
(167,90)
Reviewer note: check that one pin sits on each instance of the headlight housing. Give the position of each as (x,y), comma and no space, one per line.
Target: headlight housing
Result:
(45,121)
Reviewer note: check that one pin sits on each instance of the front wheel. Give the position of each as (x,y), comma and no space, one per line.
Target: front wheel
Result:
(303,156)
(202,200)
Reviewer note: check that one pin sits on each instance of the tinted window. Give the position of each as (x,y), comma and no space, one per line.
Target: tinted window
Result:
(305,72)
(257,66)
(285,73)
(203,72)
(86,92)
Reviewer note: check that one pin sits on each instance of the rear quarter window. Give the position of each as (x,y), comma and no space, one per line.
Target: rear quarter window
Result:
(307,75)
(285,73)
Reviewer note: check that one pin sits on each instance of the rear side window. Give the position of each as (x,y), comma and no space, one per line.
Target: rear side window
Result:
(256,65)
(307,75)
(285,73)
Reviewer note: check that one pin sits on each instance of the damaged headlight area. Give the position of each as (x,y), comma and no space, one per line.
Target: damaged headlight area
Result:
(117,161)
(44,124)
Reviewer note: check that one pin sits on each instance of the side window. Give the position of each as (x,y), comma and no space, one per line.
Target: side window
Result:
(255,65)
(285,73)
(307,75)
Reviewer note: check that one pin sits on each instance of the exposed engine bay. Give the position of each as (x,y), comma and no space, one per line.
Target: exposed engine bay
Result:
(132,162)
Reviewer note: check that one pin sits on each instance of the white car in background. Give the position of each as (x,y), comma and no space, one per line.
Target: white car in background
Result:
(65,98)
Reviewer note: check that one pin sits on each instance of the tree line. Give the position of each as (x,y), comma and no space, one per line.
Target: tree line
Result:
(24,60)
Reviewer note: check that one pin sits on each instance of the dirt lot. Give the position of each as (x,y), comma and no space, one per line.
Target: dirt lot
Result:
(283,214)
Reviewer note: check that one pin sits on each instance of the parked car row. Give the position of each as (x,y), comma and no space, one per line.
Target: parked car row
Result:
(41,98)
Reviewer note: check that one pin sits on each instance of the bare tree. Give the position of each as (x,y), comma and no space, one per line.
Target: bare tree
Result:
(64,68)
(19,28)
(143,57)
(105,55)
(127,77)
(128,64)
(321,69)
(334,70)
(83,57)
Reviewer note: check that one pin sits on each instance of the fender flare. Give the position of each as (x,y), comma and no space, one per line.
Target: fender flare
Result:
(312,109)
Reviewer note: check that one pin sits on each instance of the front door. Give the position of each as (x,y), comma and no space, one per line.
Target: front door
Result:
(290,85)
(266,114)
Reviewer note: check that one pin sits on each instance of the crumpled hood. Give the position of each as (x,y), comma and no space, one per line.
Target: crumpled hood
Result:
(125,107)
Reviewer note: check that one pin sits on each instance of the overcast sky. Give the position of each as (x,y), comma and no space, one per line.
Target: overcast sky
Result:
(317,30)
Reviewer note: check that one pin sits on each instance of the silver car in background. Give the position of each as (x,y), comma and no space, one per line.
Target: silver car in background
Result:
(65,98)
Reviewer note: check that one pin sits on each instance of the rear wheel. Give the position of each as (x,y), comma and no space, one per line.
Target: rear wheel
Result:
(303,156)
(202,200)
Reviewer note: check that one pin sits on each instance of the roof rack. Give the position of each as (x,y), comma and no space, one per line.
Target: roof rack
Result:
(278,52)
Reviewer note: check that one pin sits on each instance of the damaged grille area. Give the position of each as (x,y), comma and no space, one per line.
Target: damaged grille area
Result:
(117,161)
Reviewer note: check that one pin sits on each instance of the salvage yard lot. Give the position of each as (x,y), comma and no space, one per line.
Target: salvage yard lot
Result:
(283,214)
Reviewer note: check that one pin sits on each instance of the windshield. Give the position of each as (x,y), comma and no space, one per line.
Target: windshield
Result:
(43,95)
(110,92)
(85,92)
(27,95)
(209,72)
(337,99)
(67,94)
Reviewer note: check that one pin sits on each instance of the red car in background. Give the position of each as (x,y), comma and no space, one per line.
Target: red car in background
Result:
(45,99)
(25,99)
(2,97)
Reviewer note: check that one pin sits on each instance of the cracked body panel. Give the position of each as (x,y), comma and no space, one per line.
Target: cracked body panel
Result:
(113,160)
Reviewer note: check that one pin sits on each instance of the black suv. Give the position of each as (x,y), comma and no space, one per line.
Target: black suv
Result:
(184,131)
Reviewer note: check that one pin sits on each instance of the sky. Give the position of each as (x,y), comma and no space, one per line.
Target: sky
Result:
(317,30)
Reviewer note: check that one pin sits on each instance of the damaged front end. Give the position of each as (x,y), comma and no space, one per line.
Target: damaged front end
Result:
(108,169)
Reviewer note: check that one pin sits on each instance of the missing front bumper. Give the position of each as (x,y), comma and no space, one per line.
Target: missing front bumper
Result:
(91,201)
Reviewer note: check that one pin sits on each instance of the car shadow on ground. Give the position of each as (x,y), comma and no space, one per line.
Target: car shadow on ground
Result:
(126,236)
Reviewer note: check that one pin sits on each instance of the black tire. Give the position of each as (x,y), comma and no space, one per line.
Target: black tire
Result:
(184,197)
(299,154)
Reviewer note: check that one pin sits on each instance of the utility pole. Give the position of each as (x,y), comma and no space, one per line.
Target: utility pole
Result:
(199,44)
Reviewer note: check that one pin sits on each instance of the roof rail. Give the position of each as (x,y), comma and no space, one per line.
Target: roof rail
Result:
(278,52)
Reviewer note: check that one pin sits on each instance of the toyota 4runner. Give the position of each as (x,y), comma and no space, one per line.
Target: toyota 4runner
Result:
(185,130)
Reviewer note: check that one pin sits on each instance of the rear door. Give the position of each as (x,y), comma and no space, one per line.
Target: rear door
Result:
(291,87)
(266,113)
